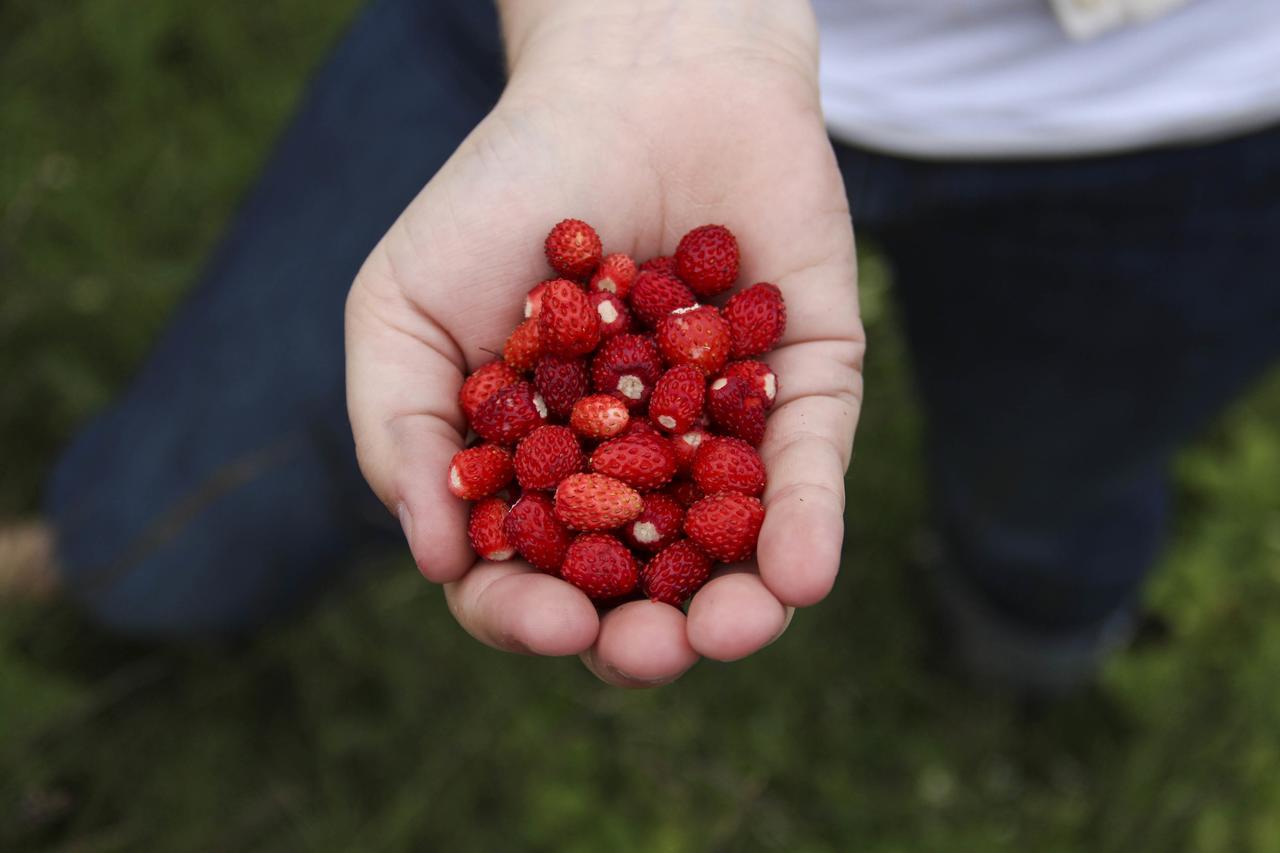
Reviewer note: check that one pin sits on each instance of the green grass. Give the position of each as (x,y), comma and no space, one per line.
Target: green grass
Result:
(127,131)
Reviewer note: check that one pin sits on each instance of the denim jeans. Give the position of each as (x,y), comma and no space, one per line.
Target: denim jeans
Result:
(1071,324)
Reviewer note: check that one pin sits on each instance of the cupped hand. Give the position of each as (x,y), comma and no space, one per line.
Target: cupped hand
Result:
(644,140)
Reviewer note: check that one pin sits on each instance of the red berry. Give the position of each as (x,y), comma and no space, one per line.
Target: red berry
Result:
(533,529)
(596,502)
(726,525)
(567,323)
(546,456)
(678,398)
(484,529)
(662,263)
(686,447)
(482,384)
(601,566)
(654,295)
(760,378)
(599,416)
(697,336)
(657,525)
(757,317)
(561,382)
(533,300)
(736,410)
(573,248)
(615,274)
(685,492)
(639,425)
(615,316)
(627,366)
(722,465)
(510,414)
(479,471)
(639,460)
(676,573)
(523,347)
(707,259)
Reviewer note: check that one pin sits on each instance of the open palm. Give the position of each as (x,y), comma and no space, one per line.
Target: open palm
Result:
(643,154)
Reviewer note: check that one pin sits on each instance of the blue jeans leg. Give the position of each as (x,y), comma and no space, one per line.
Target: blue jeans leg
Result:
(222,487)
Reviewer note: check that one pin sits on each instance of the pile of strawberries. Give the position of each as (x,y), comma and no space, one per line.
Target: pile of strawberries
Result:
(629,413)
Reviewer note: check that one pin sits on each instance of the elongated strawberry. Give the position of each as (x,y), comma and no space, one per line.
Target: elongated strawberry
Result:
(614,275)
(568,324)
(760,378)
(757,318)
(678,398)
(685,446)
(726,525)
(573,248)
(726,464)
(654,295)
(482,384)
(596,502)
(658,524)
(536,533)
(510,414)
(546,456)
(615,316)
(524,347)
(628,366)
(484,529)
(599,416)
(477,472)
(736,410)
(642,461)
(561,382)
(707,260)
(676,573)
(601,566)
(697,336)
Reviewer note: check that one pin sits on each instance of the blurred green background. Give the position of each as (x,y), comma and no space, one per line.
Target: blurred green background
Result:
(127,133)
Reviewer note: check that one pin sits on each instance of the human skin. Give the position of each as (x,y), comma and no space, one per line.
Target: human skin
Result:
(645,118)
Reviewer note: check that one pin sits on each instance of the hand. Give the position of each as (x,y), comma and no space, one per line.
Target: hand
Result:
(670,118)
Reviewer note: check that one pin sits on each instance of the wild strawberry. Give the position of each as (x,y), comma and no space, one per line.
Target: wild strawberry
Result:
(484,529)
(640,425)
(479,471)
(614,275)
(533,300)
(722,465)
(627,366)
(573,248)
(596,502)
(707,260)
(697,336)
(642,461)
(599,416)
(657,525)
(601,566)
(685,446)
(481,385)
(654,295)
(546,456)
(615,316)
(760,378)
(676,573)
(510,414)
(567,323)
(662,263)
(726,525)
(533,529)
(736,410)
(678,398)
(685,492)
(523,347)
(757,317)
(561,382)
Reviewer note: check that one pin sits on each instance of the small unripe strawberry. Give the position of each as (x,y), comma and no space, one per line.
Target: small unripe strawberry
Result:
(533,529)
(596,502)
(614,275)
(477,472)
(482,384)
(628,366)
(658,524)
(573,248)
(568,324)
(524,347)
(726,464)
(707,260)
(599,416)
(510,414)
(615,316)
(757,318)
(676,573)
(642,461)
(484,529)
(760,378)
(678,398)
(561,382)
(601,566)
(725,526)
(546,456)
(654,295)
(697,336)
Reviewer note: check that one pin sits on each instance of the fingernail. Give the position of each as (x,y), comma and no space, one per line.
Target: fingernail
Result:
(786,623)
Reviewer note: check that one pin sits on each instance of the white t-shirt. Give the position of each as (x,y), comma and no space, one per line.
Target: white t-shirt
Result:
(1000,78)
